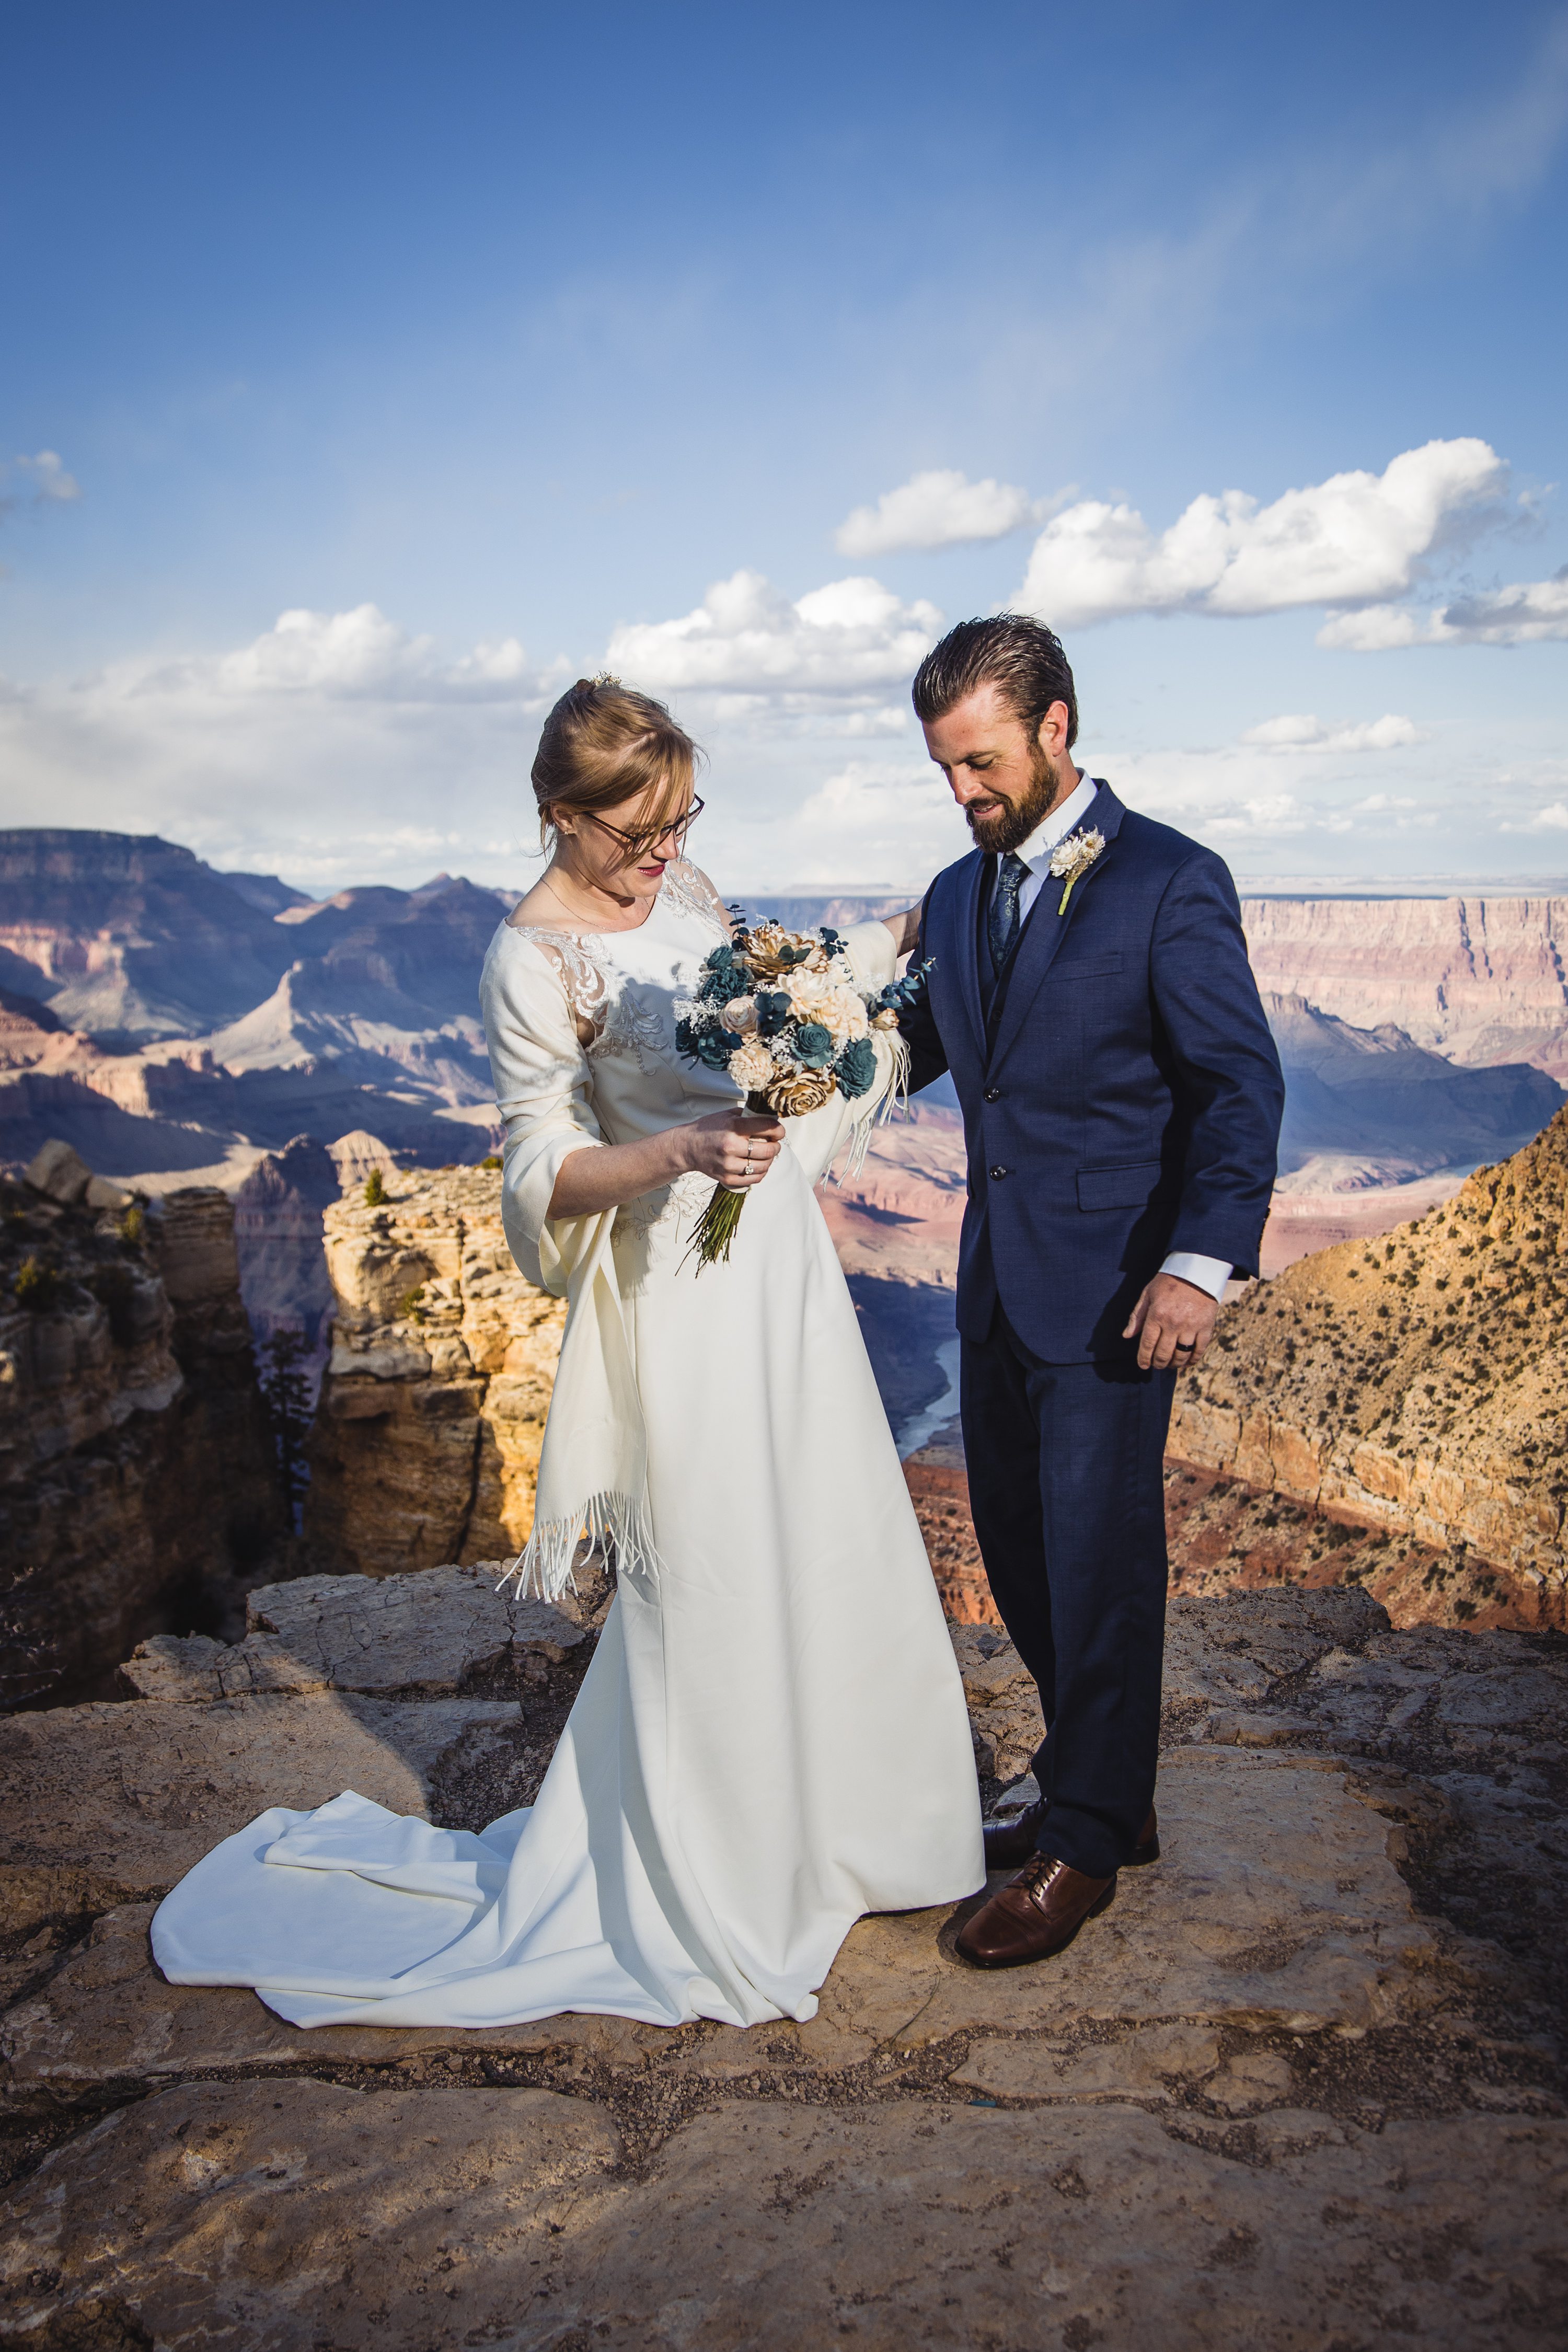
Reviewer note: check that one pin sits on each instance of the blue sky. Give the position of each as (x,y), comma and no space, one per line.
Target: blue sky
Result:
(488,343)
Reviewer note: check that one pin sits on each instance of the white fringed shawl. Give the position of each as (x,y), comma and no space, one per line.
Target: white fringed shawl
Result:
(593,1470)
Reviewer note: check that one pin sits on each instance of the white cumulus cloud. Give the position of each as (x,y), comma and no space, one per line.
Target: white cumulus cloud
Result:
(333,744)
(940,508)
(876,824)
(1531,612)
(1293,732)
(358,654)
(1356,538)
(48,477)
(850,637)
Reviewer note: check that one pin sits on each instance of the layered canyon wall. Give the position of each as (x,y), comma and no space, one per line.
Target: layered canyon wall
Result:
(427,1443)
(1478,980)
(137,1485)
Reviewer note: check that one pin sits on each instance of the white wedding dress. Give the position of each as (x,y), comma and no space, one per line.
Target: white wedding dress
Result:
(772,1738)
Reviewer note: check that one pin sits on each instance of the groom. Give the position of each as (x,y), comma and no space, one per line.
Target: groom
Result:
(1090,995)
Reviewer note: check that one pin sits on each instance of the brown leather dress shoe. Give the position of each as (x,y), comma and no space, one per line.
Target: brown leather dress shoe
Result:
(1035,1915)
(1007,1844)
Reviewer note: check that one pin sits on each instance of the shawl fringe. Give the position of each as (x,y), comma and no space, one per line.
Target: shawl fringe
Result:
(614,1524)
(894,1095)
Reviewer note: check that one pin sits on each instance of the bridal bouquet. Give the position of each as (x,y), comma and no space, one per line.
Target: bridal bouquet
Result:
(780,1010)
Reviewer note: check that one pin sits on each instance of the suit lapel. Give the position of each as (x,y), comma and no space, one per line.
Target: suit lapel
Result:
(1042,939)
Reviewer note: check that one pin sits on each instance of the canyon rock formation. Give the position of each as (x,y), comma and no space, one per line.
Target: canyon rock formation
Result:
(1373,1096)
(136,1474)
(1301,2083)
(433,1406)
(1415,1386)
(130,937)
(1477,979)
(178,1019)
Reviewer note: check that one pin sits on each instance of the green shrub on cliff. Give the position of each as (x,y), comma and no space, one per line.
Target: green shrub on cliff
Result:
(375,1190)
(37,1284)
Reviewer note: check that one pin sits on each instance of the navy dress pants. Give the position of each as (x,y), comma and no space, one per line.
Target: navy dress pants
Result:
(1066,1482)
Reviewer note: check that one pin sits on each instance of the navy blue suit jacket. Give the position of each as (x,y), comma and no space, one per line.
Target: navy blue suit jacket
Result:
(1127,1102)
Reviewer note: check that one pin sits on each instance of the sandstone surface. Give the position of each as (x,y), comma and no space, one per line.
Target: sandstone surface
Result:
(492,2217)
(1300,2085)
(433,1408)
(1417,1387)
(141,1791)
(424,1636)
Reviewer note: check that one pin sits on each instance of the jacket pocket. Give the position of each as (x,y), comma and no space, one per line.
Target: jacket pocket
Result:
(1100,967)
(1118,1188)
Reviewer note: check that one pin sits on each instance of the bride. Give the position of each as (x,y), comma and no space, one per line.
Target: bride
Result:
(703,1841)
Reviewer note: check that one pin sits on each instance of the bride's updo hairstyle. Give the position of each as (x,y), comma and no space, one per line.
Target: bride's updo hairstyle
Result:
(605,744)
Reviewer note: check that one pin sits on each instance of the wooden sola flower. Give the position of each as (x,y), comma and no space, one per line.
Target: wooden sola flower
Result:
(1073,857)
(781,1013)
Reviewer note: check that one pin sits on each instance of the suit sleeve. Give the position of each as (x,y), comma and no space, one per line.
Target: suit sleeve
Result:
(928,1060)
(1224,1069)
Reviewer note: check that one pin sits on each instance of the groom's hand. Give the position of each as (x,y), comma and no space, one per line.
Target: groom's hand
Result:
(1172,1323)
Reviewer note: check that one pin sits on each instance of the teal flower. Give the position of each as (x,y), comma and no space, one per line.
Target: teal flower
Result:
(813,1046)
(856,1068)
(709,1044)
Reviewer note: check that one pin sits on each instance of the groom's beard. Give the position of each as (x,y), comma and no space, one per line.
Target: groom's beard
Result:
(1002,825)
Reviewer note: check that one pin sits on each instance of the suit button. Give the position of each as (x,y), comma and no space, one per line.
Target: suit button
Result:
(993,1094)
(998,1172)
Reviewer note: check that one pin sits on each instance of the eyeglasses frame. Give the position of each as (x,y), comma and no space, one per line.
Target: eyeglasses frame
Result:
(637,845)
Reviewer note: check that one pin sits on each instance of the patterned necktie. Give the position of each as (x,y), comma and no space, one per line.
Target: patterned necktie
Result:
(1011,875)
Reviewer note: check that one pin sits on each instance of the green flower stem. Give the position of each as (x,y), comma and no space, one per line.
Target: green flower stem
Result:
(716,1226)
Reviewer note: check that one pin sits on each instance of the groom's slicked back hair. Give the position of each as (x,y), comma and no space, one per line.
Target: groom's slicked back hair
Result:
(1022,658)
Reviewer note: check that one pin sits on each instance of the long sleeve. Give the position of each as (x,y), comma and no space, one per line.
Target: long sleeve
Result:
(818,1137)
(543,1085)
(927,1058)
(1226,1071)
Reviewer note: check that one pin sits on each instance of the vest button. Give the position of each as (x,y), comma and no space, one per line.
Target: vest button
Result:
(993,1094)
(998,1172)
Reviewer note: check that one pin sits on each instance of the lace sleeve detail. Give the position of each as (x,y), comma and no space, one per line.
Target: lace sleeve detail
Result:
(689,892)
(584,982)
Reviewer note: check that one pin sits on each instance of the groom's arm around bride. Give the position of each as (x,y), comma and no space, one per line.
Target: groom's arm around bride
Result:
(1091,997)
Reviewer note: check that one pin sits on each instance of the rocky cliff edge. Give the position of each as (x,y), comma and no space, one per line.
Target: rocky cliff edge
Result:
(1300,2086)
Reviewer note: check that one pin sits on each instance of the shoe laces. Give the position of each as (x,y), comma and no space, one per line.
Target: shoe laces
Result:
(1037,1873)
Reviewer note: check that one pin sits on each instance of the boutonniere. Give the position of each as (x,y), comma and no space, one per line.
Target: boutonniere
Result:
(1073,857)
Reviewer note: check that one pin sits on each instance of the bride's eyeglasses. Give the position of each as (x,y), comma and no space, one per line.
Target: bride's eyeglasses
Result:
(637,845)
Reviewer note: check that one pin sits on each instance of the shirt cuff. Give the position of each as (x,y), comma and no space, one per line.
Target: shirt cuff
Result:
(1210,1274)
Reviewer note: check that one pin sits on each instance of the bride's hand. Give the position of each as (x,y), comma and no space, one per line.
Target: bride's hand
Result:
(736,1147)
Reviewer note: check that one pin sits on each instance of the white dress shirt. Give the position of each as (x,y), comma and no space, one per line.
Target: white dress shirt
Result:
(1210,1274)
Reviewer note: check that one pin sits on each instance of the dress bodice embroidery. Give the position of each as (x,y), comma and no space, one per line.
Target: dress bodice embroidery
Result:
(600,995)
(630,1019)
